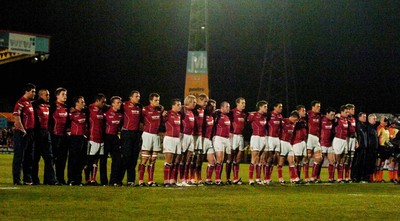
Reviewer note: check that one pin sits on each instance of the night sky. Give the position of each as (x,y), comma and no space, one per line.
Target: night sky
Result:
(340,51)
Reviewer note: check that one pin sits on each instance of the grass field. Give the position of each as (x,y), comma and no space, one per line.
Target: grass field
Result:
(274,202)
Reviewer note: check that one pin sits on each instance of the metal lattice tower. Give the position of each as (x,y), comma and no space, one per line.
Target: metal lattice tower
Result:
(198,39)
(197,64)
(277,83)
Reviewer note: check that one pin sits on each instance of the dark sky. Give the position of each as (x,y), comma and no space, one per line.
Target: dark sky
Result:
(340,51)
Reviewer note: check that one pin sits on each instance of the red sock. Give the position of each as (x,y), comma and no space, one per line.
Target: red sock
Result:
(235,171)
(305,167)
(251,171)
(210,170)
(331,172)
(258,171)
(142,168)
(218,169)
(280,176)
(340,171)
(315,170)
(291,172)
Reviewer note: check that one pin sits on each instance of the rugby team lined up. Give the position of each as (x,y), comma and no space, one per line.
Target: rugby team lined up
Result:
(189,134)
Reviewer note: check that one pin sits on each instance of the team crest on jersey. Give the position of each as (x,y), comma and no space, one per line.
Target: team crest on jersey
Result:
(63,114)
(31,109)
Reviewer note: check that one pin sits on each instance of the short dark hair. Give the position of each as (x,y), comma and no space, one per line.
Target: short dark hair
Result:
(299,107)
(362,113)
(28,87)
(76,99)
(153,95)
(261,103)
(99,96)
(174,101)
(276,103)
(330,109)
(314,102)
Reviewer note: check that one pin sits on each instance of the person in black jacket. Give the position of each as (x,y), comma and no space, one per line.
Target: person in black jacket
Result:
(359,163)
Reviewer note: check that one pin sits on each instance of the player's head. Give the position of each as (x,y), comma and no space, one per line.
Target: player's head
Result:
(301,109)
(154,99)
(240,103)
(351,108)
(225,107)
(316,106)
(134,96)
(190,101)
(330,113)
(262,106)
(278,106)
(202,99)
(294,116)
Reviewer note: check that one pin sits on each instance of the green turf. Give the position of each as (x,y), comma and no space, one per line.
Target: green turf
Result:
(275,202)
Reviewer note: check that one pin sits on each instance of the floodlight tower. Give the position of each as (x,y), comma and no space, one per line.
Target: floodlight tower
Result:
(277,83)
(197,68)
